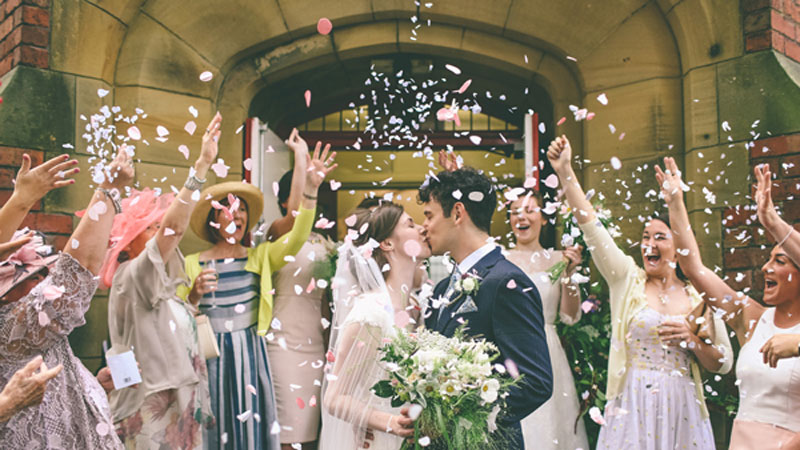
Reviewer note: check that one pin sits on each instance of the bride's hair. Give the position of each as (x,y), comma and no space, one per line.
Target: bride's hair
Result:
(381,222)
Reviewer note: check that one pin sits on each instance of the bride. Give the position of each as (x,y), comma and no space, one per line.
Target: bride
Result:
(375,273)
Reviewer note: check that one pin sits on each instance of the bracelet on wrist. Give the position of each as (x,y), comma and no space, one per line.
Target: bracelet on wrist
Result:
(193,183)
(113,195)
(310,197)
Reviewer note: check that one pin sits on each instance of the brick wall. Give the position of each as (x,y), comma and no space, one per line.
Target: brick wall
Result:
(772,24)
(57,226)
(24,34)
(746,245)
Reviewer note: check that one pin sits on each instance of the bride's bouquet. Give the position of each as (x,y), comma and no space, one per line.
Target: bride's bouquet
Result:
(455,391)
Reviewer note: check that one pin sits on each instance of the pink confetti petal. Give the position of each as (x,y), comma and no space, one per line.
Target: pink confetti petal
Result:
(312,402)
(350,221)
(53,292)
(190,127)
(134,133)
(412,248)
(220,169)
(587,307)
(603,99)
(44,319)
(206,76)
(102,429)
(311,285)
(530,183)
(300,403)
(511,284)
(561,121)
(476,140)
(335,185)
(330,356)
(511,367)
(464,86)
(307,96)
(551,181)
(248,164)
(184,151)
(275,188)
(251,389)
(162,131)
(324,26)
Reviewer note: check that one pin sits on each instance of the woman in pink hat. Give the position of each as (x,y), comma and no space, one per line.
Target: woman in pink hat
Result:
(37,316)
(171,405)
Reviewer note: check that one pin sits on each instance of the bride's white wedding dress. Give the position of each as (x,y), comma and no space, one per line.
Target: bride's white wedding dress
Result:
(552,426)
(363,318)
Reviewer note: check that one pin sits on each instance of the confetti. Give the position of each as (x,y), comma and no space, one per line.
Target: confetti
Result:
(401,318)
(162,131)
(511,367)
(424,441)
(44,319)
(245,416)
(184,151)
(476,196)
(206,76)
(335,185)
(412,248)
(102,429)
(102,93)
(276,428)
(312,402)
(134,133)
(603,99)
(350,221)
(464,86)
(561,121)
(52,292)
(307,96)
(511,284)
(248,164)
(453,69)
(220,169)
(190,127)
(476,140)
(74,243)
(597,416)
(324,26)
(193,111)
(169,231)
(551,181)
(616,163)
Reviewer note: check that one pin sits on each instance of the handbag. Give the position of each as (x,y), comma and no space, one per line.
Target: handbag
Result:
(205,337)
(701,322)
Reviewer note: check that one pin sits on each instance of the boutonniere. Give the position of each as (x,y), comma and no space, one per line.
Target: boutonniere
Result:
(468,284)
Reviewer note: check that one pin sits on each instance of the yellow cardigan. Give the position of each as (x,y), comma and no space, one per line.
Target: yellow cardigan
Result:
(264,259)
(626,283)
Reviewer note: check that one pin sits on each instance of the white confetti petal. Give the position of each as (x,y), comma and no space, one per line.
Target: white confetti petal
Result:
(206,76)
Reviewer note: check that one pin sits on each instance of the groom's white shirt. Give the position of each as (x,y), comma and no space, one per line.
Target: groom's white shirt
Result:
(475,256)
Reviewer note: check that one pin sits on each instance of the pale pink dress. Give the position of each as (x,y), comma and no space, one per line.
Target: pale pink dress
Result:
(74,413)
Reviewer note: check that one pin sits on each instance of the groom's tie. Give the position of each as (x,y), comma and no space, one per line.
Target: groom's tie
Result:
(454,277)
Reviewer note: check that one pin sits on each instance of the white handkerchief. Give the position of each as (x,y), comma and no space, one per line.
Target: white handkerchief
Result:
(124,371)
(467,307)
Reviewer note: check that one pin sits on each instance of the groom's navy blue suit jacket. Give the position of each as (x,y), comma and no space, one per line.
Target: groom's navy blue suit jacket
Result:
(509,315)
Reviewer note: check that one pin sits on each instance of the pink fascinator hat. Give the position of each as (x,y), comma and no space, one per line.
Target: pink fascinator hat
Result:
(139,211)
(26,261)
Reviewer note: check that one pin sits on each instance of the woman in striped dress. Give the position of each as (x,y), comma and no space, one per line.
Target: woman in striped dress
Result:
(233,285)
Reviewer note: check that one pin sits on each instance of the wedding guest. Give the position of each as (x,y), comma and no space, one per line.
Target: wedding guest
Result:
(144,268)
(767,368)
(655,393)
(233,285)
(550,426)
(297,350)
(42,300)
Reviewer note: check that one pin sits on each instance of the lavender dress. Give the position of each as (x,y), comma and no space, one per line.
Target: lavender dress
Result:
(74,413)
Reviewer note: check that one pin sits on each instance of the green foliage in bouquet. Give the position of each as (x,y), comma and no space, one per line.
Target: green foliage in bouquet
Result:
(454,381)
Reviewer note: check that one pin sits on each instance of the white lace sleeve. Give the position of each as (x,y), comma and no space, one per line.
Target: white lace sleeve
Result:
(372,309)
(40,318)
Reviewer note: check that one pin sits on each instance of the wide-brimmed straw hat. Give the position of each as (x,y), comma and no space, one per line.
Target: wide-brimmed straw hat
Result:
(140,210)
(245,191)
(25,262)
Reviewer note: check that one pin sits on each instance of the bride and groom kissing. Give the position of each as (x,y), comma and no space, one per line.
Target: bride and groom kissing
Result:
(378,268)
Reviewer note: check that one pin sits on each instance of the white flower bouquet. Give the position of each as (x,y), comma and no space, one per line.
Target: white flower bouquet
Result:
(458,389)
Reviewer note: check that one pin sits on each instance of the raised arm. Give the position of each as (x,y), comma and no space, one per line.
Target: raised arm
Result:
(89,242)
(319,166)
(783,233)
(176,218)
(740,308)
(300,148)
(560,156)
(30,186)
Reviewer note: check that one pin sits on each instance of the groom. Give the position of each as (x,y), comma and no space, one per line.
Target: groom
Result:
(505,308)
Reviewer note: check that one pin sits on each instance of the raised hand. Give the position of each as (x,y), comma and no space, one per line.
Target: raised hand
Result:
(319,165)
(448,161)
(669,181)
(210,147)
(676,332)
(559,153)
(763,196)
(32,184)
(120,172)
(297,144)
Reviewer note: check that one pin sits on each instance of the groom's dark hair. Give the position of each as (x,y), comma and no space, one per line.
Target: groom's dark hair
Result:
(472,188)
